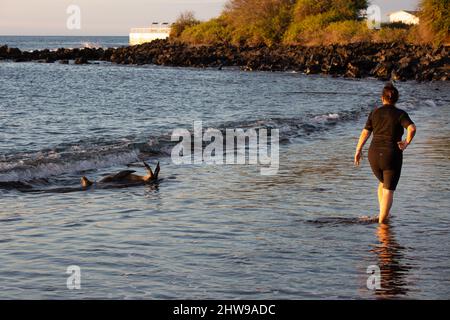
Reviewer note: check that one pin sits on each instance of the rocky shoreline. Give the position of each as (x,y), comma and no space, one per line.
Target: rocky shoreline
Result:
(390,61)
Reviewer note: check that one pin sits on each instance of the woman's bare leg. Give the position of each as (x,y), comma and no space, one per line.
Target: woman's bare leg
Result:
(386,205)
(380,194)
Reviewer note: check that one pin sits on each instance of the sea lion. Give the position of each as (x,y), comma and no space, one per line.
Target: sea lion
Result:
(126,177)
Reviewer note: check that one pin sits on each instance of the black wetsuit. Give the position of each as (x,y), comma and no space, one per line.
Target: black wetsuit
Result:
(385,157)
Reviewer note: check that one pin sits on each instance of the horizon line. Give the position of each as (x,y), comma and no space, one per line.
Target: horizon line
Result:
(60,35)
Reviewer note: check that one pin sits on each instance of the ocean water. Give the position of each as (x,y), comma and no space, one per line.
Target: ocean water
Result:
(29,43)
(213,231)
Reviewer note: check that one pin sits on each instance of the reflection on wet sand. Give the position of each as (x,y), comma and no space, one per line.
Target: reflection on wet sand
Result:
(393,270)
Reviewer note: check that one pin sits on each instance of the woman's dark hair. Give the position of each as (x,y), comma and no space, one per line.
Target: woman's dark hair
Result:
(390,93)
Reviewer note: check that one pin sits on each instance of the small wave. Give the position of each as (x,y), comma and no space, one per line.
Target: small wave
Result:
(14,185)
(337,221)
(430,103)
(102,153)
(83,155)
(407,105)
(297,126)
(416,104)
(26,172)
(327,117)
(90,45)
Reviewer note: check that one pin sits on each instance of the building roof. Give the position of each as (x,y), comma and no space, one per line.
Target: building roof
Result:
(412,12)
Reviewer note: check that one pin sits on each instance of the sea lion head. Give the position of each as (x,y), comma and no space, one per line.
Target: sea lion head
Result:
(85,183)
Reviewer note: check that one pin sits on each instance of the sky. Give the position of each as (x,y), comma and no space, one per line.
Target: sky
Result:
(116,17)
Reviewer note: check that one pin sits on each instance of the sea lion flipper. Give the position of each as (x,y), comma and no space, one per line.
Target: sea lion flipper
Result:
(157,169)
(149,169)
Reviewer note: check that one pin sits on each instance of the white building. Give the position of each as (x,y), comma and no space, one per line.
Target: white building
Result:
(404,16)
(154,32)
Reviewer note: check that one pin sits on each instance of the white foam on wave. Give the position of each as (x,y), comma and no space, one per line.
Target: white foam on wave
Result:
(90,45)
(430,103)
(327,117)
(19,172)
(415,104)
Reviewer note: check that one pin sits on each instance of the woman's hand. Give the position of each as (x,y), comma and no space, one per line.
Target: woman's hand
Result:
(403,145)
(411,133)
(365,134)
(358,156)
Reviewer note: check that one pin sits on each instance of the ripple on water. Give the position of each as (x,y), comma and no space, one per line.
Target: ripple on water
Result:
(224,231)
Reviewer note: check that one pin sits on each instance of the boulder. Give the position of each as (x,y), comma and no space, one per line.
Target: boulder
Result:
(81,60)
(353,71)
(3,51)
(383,71)
(13,53)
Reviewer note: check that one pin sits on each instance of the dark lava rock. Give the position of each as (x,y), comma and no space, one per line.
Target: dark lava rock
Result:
(81,60)
(3,51)
(383,71)
(313,69)
(13,53)
(381,60)
(20,59)
(353,71)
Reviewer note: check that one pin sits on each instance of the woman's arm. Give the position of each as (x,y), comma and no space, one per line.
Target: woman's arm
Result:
(409,138)
(365,134)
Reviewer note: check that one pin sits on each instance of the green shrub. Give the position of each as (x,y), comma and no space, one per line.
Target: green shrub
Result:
(340,32)
(395,25)
(343,9)
(389,34)
(349,31)
(312,19)
(309,30)
(271,22)
(213,31)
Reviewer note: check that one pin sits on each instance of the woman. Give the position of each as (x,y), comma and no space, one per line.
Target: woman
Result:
(386,150)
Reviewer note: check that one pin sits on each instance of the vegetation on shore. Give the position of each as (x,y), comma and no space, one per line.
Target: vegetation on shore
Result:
(435,21)
(309,22)
(282,35)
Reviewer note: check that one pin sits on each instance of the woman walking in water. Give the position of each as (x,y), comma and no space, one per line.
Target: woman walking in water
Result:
(386,150)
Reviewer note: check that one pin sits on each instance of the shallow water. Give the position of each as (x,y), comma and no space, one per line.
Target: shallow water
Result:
(213,231)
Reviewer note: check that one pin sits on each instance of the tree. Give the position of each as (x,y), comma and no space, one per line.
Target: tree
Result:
(258,21)
(185,20)
(350,9)
(306,8)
